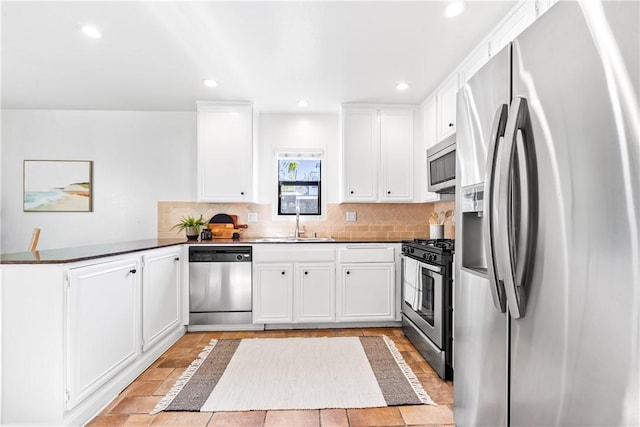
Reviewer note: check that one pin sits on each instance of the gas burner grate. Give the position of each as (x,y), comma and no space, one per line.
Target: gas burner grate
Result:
(446,244)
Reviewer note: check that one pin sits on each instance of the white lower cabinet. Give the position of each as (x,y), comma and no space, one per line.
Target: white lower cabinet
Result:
(160,294)
(72,332)
(101,325)
(294,293)
(367,282)
(367,292)
(302,283)
(314,293)
(273,293)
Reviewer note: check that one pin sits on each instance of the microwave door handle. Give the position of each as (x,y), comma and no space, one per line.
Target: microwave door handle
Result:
(518,191)
(490,193)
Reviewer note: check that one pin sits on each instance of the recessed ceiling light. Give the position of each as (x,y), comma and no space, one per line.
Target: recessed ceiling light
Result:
(402,86)
(454,8)
(210,83)
(90,31)
(303,103)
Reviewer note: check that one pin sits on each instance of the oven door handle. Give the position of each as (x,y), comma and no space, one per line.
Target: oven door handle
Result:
(434,268)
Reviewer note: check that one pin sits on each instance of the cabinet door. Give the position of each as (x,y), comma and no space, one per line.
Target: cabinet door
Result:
(367,292)
(225,152)
(396,159)
(273,293)
(360,155)
(429,113)
(101,325)
(160,295)
(314,293)
(447,108)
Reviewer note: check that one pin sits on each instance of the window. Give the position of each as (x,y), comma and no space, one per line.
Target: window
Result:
(299,186)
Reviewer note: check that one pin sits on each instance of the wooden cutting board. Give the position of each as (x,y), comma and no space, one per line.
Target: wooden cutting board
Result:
(221,231)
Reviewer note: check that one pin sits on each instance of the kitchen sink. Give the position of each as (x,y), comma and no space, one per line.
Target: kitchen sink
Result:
(294,239)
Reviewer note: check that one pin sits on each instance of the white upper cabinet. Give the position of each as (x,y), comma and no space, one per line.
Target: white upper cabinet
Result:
(396,160)
(360,154)
(377,154)
(225,152)
(446,99)
(429,116)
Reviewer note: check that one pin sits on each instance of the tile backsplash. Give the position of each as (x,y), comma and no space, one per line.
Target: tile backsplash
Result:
(373,220)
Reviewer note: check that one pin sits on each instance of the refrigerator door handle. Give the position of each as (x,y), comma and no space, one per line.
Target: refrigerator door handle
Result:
(518,207)
(490,192)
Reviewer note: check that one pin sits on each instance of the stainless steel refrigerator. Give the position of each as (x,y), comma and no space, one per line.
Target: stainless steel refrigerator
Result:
(547,286)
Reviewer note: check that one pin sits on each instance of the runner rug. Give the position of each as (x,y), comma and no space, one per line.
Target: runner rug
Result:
(295,373)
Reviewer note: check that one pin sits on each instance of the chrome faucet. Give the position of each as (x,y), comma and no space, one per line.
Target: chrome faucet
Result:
(297,232)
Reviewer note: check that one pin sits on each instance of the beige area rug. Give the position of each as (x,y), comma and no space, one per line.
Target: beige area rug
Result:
(295,373)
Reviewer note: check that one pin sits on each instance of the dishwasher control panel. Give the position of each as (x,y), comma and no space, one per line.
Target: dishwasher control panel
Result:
(220,254)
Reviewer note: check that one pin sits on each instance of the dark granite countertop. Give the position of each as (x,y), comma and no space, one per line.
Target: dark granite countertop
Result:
(84,253)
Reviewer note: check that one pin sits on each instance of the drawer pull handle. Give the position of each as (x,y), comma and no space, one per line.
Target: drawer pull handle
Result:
(133,271)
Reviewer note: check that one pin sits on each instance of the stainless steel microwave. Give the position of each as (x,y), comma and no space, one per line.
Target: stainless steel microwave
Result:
(441,166)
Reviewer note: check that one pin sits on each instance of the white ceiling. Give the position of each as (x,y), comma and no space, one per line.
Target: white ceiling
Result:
(154,55)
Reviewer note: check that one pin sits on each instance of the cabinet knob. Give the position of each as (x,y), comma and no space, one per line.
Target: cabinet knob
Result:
(133,271)
(450,125)
(348,272)
(242,193)
(388,192)
(306,272)
(283,273)
(351,192)
(176,259)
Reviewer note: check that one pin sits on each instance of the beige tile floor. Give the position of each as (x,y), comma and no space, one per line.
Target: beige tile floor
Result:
(132,406)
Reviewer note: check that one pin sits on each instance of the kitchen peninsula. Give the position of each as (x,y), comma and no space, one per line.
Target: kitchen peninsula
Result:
(100,315)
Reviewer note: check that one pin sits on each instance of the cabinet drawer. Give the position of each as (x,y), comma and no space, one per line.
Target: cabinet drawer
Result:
(294,252)
(366,253)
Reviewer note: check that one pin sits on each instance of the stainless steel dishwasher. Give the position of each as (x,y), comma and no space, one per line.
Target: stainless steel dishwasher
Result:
(219,286)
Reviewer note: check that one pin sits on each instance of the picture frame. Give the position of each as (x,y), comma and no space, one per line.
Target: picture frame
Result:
(57,186)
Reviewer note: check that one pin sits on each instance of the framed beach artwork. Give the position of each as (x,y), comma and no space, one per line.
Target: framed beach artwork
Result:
(58,185)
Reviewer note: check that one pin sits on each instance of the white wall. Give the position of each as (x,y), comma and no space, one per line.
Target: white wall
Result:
(139,158)
(291,131)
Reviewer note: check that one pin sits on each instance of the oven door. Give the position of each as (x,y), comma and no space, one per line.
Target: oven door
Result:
(429,302)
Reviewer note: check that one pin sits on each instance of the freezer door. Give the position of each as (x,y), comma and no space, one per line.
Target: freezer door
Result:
(480,357)
(575,354)
(480,324)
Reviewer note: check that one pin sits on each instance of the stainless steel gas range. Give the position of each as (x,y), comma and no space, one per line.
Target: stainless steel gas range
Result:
(427,300)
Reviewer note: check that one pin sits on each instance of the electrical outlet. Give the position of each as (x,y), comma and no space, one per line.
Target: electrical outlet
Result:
(351,216)
(252,217)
